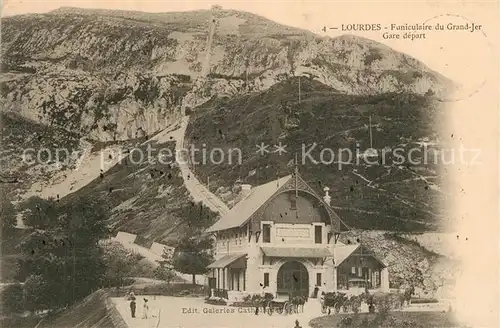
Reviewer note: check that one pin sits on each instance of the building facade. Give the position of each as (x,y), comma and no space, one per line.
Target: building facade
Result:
(282,238)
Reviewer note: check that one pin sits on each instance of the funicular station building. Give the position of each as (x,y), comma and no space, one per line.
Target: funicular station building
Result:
(282,238)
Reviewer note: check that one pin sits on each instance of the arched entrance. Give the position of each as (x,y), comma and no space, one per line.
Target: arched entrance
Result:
(293,279)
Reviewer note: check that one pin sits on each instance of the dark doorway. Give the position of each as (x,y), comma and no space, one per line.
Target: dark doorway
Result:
(293,279)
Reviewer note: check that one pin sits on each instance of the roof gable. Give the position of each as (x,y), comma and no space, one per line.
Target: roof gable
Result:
(341,253)
(297,183)
(252,205)
(246,207)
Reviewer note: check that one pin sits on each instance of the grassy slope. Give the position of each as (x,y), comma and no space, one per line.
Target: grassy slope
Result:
(10,253)
(397,199)
(147,198)
(94,311)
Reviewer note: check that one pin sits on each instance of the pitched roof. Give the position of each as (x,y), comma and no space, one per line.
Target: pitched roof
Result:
(226,260)
(242,211)
(341,253)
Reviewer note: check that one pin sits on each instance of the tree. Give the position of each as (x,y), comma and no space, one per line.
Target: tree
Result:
(7,216)
(118,263)
(62,258)
(164,273)
(12,299)
(40,213)
(193,254)
(197,216)
(38,293)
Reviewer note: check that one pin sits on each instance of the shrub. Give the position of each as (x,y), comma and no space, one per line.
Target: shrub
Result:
(165,274)
(12,299)
(218,301)
(268,296)
(161,289)
(346,322)
(383,305)
(243,304)
(365,323)
(423,300)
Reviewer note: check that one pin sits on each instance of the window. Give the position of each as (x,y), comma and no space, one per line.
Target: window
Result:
(318,279)
(318,234)
(293,203)
(353,270)
(266,233)
(266,279)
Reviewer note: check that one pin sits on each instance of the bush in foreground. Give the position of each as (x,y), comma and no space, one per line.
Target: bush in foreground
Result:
(390,320)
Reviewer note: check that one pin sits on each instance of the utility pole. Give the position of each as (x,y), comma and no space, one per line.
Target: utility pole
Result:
(208,183)
(211,31)
(371,140)
(296,172)
(74,270)
(246,74)
(299,88)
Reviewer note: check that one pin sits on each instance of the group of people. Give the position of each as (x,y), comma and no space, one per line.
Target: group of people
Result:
(133,306)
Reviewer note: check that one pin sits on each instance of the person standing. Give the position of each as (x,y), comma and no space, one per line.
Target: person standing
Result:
(131,298)
(145,309)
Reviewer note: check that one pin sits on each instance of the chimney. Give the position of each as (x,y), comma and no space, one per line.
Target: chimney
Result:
(245,190)
(327,197)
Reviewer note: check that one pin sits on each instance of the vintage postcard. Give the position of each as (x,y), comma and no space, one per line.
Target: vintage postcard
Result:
(274,164)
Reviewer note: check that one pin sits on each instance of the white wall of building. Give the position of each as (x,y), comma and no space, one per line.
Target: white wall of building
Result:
(233,241)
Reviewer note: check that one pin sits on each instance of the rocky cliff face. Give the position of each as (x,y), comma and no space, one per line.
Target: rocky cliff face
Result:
(409,263)
(114,75)
(119,107)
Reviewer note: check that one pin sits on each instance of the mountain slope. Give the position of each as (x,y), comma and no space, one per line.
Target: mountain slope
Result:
(145,194)
(386,195)
(114,75)
(117,76)
(32,153)
(409,262)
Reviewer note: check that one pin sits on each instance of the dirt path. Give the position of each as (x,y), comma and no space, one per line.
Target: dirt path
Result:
(198,191)
(194,313)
